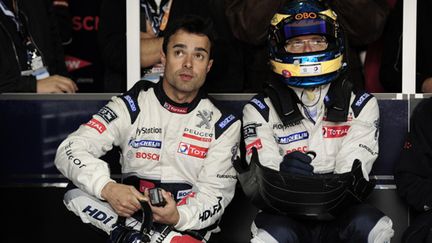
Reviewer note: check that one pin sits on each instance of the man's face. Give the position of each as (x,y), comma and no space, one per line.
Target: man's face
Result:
(187,62)
(306,43)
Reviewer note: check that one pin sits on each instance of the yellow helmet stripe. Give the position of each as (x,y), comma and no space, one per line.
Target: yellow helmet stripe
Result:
(307,70)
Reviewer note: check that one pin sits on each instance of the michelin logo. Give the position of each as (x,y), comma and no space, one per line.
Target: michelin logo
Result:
(145,143)
(293,137)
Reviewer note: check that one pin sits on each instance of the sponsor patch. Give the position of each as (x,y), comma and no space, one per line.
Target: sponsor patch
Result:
(145,143)
(147,156)
(98,214)
(368,149)
(206,117)
(192,150)
(293,137)
(257,144)
(183,193)
(359,102)
(175,109)
(183,201)
(212,211)
(95,124)
(302,149)
(143,184)
(198,138)
(249,130)
(335,131)
(281,126)
(71,157)
(258,103)
(107,114)
(226,121)
(148,130)
(226,176)
(130,102)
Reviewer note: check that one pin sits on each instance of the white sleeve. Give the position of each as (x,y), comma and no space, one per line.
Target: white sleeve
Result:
(258,133)
(78,155)
(361,141)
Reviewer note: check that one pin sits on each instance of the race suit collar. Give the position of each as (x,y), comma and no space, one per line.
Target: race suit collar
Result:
(174,107)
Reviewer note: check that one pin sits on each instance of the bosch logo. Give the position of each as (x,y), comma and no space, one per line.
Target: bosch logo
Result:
(182,194)
(147,156)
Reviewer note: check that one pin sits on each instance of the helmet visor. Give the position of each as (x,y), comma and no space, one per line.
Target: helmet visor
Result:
(307,27)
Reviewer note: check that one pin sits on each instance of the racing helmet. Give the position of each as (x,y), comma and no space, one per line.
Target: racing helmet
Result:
(306,17)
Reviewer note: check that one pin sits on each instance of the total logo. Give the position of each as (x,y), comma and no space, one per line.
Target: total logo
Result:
(192,150)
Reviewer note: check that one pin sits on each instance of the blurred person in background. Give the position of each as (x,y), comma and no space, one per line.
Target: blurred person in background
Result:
(32,58)
(391,64)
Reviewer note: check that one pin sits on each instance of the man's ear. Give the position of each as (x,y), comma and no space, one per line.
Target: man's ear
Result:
(209,65)
(163,57)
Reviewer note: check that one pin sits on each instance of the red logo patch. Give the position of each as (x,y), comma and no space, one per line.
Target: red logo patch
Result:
(335,131)
(192,150)
(175,109)
(257,144)
(93,123)
(145,184)
(286,73)
(187,135)
(73,63)
(183,201)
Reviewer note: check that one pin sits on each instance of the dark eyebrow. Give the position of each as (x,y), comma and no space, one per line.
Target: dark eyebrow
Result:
(183,46)
(201,49)
(179,46)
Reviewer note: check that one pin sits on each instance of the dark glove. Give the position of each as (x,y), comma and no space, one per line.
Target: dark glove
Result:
(361,187)
(297,163)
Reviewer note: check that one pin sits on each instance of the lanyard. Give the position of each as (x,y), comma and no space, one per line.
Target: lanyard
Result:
(10,14)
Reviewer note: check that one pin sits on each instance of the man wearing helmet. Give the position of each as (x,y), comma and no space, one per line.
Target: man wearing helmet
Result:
(308,131)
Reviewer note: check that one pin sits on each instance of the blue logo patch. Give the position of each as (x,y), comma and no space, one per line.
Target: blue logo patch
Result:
(131,103)
(362,99)
(293,137)
(226,121)
(145,143)
(258,103)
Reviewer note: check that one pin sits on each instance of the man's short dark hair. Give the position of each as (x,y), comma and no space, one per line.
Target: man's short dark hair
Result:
(192,24)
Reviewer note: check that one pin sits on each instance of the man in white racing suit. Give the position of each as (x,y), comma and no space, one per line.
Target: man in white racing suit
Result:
(309,122)
(171,136)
